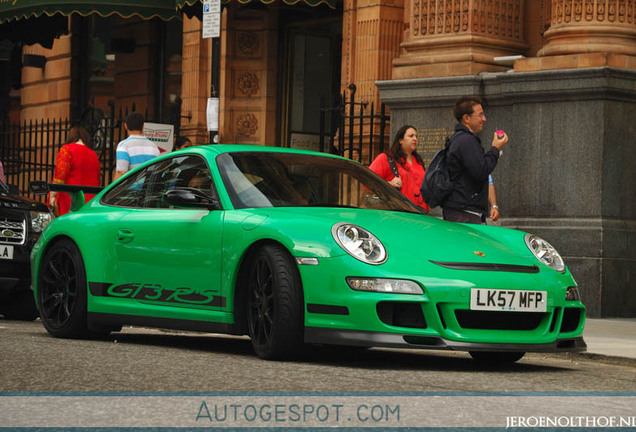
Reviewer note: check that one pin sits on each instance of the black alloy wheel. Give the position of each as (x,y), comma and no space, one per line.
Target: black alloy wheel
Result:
(62,291)
(274,304)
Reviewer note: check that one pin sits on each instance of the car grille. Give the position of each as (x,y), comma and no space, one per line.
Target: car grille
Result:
(12,231)
(494,320)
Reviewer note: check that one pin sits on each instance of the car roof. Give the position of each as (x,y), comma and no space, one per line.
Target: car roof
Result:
(230,148)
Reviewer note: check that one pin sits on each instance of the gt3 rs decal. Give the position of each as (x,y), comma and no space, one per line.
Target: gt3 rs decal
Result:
(156,293)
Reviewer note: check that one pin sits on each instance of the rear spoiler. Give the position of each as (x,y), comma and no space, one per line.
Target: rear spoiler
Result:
(76,192)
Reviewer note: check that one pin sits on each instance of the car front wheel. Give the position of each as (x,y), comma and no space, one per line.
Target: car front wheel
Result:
(274,304)
(62,291)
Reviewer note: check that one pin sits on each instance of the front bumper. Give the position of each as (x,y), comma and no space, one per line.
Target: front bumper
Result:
(393,340)
(441,317)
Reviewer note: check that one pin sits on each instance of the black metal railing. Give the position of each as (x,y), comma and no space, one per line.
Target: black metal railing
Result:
(353,129)
(28,149)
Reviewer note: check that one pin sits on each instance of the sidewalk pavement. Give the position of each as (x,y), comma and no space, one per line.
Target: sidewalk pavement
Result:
(611,337)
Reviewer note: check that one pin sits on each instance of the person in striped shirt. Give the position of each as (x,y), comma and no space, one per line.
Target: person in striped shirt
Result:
(136,148)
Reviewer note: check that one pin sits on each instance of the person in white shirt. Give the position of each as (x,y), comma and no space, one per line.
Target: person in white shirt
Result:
(136,148)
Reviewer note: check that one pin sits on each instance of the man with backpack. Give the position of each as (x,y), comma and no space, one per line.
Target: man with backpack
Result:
(469,165)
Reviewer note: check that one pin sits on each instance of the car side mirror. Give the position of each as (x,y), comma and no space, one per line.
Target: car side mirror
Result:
(191,198)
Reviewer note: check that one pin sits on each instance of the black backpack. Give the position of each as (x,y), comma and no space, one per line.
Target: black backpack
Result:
(437,185)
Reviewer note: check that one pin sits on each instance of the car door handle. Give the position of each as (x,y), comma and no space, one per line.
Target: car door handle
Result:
(125,236)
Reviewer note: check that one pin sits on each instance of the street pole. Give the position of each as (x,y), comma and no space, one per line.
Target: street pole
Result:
(212,29)
(214,86)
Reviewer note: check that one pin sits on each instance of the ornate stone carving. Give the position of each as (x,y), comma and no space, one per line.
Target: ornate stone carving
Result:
(591,26)
(246,124)
(601,11)
(248,84)
(249,43)
(460,37)
(416,16)
(589,10)
(578,10)
(499,18)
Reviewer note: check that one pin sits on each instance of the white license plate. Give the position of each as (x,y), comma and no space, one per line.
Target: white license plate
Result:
(6,252)
(508,300)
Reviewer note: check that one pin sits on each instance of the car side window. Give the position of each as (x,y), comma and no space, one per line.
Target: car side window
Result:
(185,172)
(128,193)
(148,187)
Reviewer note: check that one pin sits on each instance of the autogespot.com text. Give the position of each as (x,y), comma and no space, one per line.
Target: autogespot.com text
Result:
(328,414)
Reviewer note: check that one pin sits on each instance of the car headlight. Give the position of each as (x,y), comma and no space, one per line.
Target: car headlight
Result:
(359,243)
(39,220)
(398,286)
(545,252)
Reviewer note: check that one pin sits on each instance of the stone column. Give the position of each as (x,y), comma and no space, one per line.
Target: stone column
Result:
(371,35)
(249,59)
(459,37)
(587,33)
(586,26)
(372,30)
(195,81)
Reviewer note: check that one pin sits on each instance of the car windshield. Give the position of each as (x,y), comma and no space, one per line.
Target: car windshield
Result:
(263,179)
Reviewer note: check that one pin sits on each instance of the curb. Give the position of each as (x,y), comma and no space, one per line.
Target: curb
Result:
(602,358)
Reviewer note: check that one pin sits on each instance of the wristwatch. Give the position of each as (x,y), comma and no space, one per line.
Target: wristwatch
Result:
(494,206)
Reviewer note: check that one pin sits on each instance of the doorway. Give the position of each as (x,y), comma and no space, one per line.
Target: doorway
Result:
(311,74)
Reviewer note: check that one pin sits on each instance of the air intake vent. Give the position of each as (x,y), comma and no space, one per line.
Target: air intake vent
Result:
(401,314)
(571,319)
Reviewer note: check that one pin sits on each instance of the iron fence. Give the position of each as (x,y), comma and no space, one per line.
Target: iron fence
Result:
(353,129)
(28,149)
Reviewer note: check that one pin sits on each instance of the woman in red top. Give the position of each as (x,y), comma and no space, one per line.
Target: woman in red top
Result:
(409,165)
(76,164)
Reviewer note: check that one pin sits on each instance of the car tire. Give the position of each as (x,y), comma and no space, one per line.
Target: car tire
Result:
(274,304)
(20,306)
(62,291)
(495,358)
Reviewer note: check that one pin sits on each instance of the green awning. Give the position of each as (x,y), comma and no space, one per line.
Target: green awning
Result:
(39,21)
(23,9)
(191,7)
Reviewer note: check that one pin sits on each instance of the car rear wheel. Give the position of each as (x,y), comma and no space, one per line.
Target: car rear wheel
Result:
(493,357)
(20,306)
(274,304)
(62,291)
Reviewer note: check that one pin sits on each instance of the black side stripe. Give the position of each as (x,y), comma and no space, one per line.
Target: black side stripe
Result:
(157,294)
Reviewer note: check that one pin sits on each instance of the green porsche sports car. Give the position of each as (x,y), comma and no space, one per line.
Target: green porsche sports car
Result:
(291,248)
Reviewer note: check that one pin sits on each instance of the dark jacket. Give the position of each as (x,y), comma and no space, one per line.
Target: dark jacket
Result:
(469,167)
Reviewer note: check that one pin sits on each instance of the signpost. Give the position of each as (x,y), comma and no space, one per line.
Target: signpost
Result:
(211,19)
(212,29)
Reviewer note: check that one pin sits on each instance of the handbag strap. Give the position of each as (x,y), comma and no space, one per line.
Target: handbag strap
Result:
(394,169)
